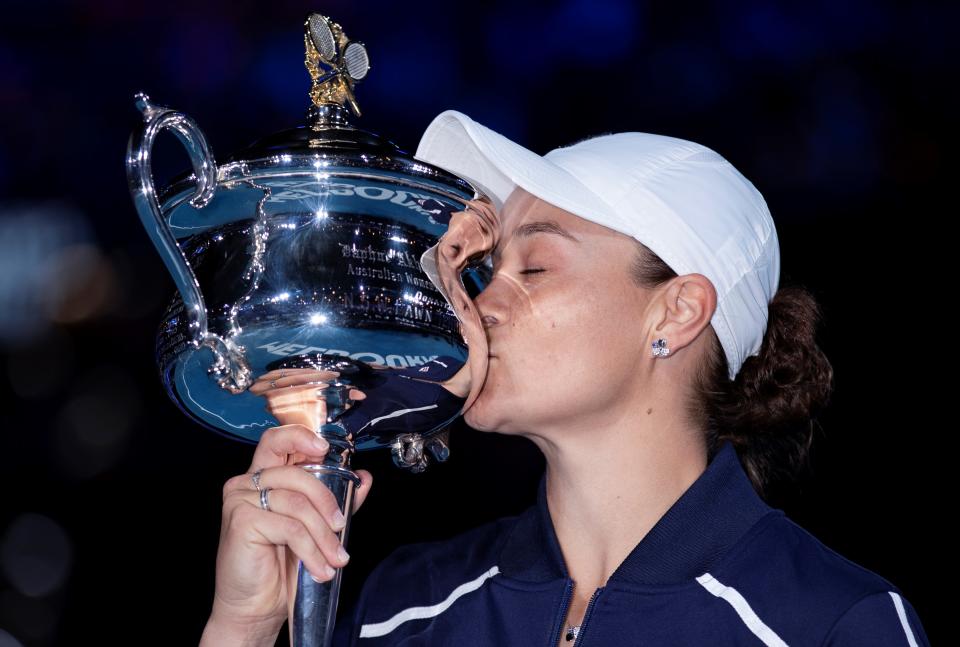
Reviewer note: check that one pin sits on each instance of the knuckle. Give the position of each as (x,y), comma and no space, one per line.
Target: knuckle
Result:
(293,528)
(332,508)
(319,571)
(239,516)
(331,545)
(233,483)
(299,501)
(270,435)
(326,496)
(316,562)
(230,500)
(319,496)
(292,474)
(321,553)
(329,507)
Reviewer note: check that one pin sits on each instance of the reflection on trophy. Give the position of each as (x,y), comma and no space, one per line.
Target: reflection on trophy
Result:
(324,277)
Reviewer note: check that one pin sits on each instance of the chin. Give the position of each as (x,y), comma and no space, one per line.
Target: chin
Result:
(470,417)
(476,418)
(490,420)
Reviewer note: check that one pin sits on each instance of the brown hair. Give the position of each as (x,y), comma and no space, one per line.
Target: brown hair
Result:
(767,411)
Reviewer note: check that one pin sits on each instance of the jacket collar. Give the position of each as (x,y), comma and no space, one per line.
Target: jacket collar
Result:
(709,517)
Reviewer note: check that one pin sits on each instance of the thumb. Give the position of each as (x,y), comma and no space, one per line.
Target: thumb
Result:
(366,481)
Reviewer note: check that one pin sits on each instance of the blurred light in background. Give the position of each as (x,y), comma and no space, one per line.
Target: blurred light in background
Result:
(843,143)
(525,41)
(36,557)
(39,369)
(33,620)
(6,640)
(51,270)
(94,424)
(204,55)
(276,79)
(3,171)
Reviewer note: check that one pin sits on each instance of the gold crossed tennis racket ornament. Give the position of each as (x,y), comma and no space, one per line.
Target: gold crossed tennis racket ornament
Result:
(334,61)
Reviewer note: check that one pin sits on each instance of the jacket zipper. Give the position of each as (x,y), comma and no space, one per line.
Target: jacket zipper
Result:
(586,615)
(567,595)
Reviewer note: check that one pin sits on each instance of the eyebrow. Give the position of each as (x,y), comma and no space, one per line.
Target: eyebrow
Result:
(543,227)
(528,229)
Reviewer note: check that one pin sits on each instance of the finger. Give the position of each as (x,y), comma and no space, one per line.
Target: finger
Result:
(296,385)
(310,397)
(294,477)
(268,528)
(296,504)
(297,405)
(293,380)
(281,372)
(271,381)
(366,482)
(305,390)
(306,394)
(278,443)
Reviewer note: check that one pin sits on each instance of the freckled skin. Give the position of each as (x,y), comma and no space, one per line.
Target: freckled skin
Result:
(558,335)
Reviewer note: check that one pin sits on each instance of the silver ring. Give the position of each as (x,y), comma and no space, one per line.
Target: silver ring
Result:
(281,373)
(273,384)
(263,498)
(256,479)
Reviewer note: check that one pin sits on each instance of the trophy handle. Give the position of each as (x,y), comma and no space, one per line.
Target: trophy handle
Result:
(140,179)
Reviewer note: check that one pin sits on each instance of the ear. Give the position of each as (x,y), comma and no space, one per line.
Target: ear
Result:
(689,302)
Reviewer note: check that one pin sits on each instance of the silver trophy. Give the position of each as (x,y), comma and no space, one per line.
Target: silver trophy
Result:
(322,251)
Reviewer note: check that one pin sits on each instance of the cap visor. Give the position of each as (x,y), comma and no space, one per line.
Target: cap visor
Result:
(496,166)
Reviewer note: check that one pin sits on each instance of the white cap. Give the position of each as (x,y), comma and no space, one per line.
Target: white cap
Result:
(685,202)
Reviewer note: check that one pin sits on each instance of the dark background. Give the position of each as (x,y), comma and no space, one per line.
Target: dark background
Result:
(839,112)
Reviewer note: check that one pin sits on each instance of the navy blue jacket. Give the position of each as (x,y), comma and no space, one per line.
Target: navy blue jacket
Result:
(720,567)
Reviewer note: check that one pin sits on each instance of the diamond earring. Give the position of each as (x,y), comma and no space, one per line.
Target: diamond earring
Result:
(660,348)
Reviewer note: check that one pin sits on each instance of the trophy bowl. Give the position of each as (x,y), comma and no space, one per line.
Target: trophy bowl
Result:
(322,249)
(307,252)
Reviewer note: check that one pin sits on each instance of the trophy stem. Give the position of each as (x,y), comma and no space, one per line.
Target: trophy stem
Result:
(314,604)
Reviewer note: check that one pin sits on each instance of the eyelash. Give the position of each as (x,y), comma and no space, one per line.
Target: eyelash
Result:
(532,271)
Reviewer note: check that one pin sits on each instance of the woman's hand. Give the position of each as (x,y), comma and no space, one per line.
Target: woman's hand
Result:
(252,585)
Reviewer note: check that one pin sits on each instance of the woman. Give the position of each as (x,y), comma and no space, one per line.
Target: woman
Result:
(639,339)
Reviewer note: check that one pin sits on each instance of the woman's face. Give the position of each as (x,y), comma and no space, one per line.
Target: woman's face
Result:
(563,321)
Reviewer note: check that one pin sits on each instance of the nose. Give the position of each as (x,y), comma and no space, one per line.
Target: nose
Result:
(491,306)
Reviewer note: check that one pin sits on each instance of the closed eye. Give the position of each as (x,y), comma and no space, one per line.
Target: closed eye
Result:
(532,271)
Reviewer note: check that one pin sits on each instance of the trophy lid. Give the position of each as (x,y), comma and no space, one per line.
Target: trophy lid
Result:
(329,138)
(335,64)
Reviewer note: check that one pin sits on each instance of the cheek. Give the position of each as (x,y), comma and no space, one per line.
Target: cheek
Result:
(566,336)
(543,348)
(585,331)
